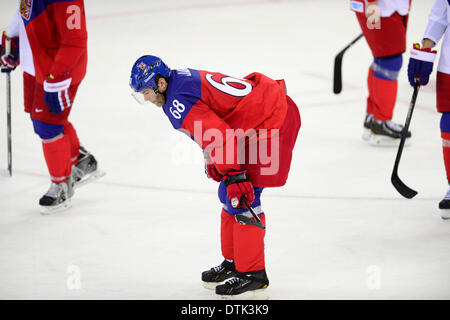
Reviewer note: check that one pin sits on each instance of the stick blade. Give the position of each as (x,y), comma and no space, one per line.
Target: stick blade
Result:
(402,188)
(337,75)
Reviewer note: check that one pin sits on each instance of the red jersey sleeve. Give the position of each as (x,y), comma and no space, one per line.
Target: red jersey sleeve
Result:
(70,21)
(214,136)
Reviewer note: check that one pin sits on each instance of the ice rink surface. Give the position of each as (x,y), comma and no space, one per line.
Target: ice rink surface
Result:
(337,230)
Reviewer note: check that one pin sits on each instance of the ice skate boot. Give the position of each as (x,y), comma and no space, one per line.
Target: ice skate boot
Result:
(386,134)
(57,198)
(86,170)
(444,205)
(245,286)
(366,126)
(219,274)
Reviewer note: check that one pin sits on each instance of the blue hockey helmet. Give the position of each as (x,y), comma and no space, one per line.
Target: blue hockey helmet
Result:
(145,71)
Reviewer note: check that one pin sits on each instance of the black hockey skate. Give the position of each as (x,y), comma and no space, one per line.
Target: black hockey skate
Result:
(366,126)
(58,197)
(250,285)
(219,274)
(386,133)
(444,205)
(86,170)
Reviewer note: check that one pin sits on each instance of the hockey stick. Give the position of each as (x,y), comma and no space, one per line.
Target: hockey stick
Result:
(402,188)
(337,77)
(8,120)
(246,220)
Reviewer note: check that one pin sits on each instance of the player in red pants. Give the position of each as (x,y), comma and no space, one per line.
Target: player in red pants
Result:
(384,25)
(53,54)
(419,69)
(247,129)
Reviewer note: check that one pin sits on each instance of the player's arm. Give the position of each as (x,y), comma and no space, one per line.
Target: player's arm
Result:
(216,138)
(70,20)
(9,47)
(437,24)
(422,59)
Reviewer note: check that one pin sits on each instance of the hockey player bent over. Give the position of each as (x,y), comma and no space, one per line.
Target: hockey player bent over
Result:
(235,122)
(52,38)
(419,69)
(384,24)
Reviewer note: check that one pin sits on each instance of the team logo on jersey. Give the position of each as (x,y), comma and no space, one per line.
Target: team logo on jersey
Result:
(25,8)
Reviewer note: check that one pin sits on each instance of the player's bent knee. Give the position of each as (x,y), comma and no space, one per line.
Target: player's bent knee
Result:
(388,68)
(47,131)
(445,122)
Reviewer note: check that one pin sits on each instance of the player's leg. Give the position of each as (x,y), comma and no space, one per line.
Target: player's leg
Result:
(216,275)
(248,254)
(56,148)
(383,92)
(443,105)
(387,43)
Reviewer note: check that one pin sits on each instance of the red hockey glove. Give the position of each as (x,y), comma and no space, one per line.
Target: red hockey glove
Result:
(212,173)
(56,94)
(9,57)
(210,169)
(238,186)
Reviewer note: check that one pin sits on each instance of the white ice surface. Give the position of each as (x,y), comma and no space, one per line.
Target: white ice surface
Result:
(337,230)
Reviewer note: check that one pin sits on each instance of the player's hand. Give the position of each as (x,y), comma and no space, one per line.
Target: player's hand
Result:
(420,64)
(9,56)
(56,95)
(373,15)
(212,173)
(238,186)
(210,169)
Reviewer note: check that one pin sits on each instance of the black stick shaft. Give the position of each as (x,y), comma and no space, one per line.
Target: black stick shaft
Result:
(8,120)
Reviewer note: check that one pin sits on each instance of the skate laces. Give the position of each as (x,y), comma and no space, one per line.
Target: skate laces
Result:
(233,280)
(54,190)
(447,195)
(394,126)
(217,268)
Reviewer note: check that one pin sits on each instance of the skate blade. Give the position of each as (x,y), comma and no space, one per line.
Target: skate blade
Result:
(47,210)
(383,141)
(366,134)
(445,215)
(211,285)
(97,174)
(260,294)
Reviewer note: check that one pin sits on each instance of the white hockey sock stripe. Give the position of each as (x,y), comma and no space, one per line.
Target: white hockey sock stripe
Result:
(59,136)
(67,98)
(446,143)
(58,179)
(60,101)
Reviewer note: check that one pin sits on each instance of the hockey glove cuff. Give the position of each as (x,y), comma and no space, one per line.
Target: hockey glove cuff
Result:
(420,64)
(238,187)
(9,56)
(56,94)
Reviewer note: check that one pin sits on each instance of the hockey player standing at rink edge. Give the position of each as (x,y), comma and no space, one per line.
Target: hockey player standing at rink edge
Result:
(384,24)
(212,108)
(52,38)
(420,67)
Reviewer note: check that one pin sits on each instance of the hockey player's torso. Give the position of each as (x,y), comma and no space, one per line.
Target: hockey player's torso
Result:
(52,25)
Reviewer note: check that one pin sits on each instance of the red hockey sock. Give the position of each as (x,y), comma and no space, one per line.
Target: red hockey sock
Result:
(226,235)
(249,246)
(57,156)
(70,132)
(446,151)
(383,93)
(371,106)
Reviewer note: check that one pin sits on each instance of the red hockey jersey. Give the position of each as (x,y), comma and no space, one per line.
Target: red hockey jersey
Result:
(56,31)
(234,120)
